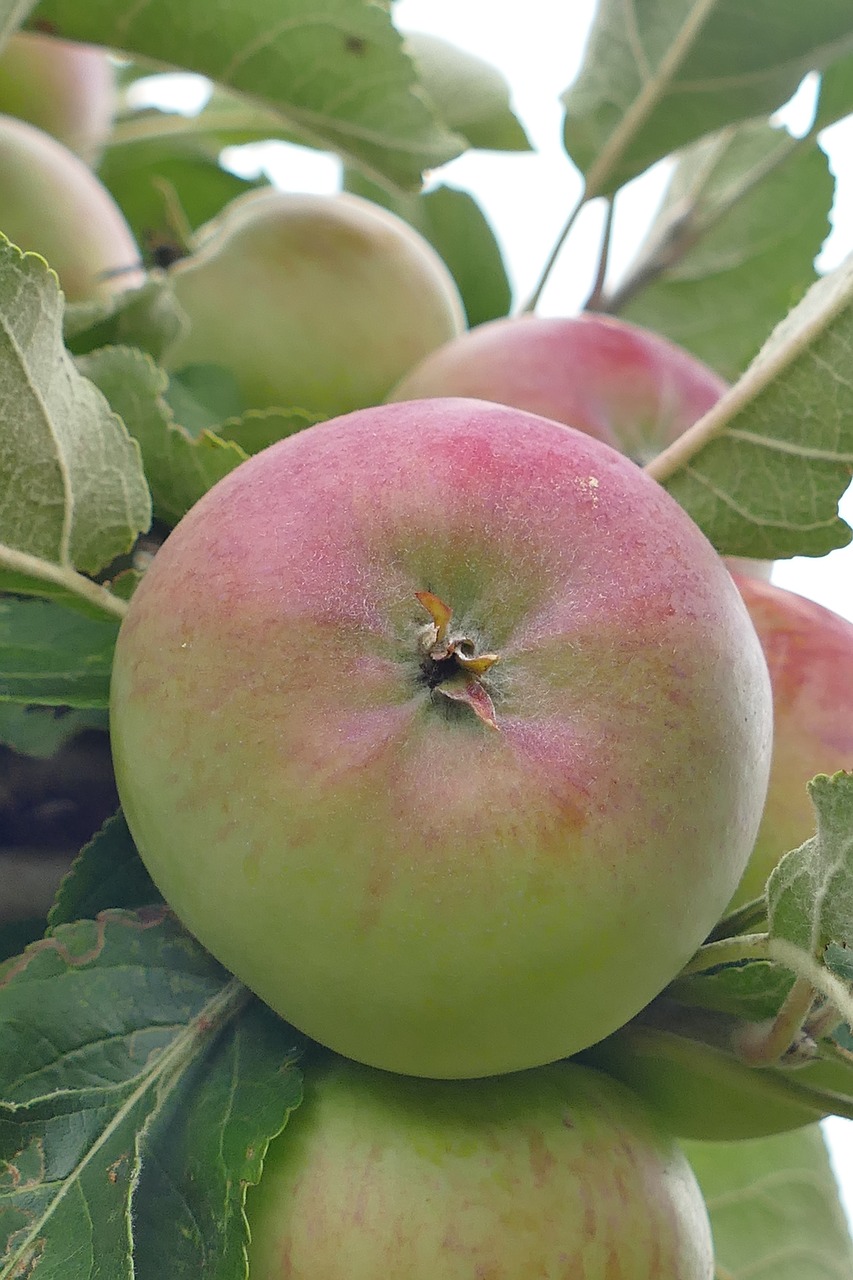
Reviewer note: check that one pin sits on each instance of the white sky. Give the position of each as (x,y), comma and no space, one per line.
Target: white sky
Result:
(538,46)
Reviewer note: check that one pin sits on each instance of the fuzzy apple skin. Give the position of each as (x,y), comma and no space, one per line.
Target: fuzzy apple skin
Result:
(52,203)
(809,652)
(552,1173)
(315,302)
(613,380)
(66,89)
(403,882)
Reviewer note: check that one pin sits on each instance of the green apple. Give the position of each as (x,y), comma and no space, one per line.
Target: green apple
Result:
(443,727)
(52,203)
(557,1173)
(809,652)
(313,302)
(65,89)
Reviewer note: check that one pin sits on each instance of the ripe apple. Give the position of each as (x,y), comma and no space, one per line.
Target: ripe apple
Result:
(615,381)
(445,729)
(553,1173)
(313,302)
(52,203)
(809,652)
(624,385)
(704,1093)
(66,89)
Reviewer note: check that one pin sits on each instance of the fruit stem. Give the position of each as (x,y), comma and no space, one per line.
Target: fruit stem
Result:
(761,1044)
(63,576)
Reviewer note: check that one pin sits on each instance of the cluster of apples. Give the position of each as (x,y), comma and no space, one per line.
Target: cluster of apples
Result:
(443,727)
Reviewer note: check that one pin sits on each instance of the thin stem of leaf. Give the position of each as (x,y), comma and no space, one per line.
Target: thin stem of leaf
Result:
(595,299)
(794,336)
(533,300)
(63,576)
(748,946)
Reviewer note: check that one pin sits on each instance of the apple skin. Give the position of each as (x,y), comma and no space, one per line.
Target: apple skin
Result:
(615,381)
(63,88)
(395,877)
(809,652)
(52,203)
(336,298)
(552,1173)
(702,1093)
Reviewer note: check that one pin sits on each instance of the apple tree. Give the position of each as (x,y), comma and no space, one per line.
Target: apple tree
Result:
(437,860)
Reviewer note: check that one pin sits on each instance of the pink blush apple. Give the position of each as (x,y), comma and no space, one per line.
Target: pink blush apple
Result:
(624,385)
(64,88)
(809,652)
(557,1173)
(445,729)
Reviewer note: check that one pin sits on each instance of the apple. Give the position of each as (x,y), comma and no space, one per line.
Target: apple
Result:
(553,1173)
(64,88)
(624,385)
(809,652)
(701,1092)
(445,729)
(614,380)
(313,302)
(52,203)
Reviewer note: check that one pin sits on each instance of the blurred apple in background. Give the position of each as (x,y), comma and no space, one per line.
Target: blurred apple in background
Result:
(313,302)
(809,652)
(52,203)
(66,89)
(616,381)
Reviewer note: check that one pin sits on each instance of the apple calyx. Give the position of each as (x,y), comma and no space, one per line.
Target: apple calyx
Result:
(451,664)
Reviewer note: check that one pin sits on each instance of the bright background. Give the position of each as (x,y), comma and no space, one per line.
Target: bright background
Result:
(527,197)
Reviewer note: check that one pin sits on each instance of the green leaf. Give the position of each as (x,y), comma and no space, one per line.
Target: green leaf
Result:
(165,181)
(40,732)
(256,429)
(107,873)
(206,1147)
(744,217)
(456,227)
(54,657)
(166,1064)
(835,100)
(810,892)
(77,1090)
(179,468)
(754,990)
(774,1208)
(201,396)
(148,318)
(335,70)
(471,96)
(763,471)
(658,74)
(74,493)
